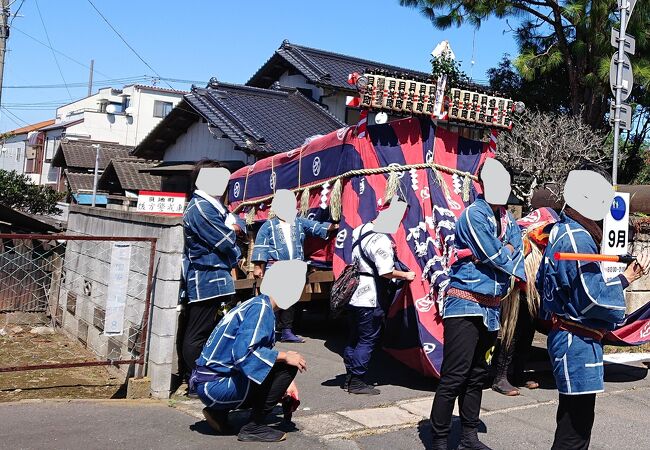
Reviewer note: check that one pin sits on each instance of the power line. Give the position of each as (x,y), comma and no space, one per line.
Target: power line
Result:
(12,114)
(126,43)
(59,52)
(52,49)
(16,13)
(76,84)
(126,80)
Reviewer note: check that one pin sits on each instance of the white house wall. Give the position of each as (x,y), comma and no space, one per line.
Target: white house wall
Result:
(12,156)
(118,127)
(198,143)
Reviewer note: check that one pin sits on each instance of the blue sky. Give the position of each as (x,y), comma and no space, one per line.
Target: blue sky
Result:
(199,39)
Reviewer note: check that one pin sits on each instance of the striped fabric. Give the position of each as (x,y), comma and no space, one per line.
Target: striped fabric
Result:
(425,238)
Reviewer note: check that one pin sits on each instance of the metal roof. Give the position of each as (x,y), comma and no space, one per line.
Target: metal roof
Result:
(320,67)
(32,127)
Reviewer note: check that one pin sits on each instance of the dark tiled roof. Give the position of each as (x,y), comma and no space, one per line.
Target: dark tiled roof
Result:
(79,181)
(256,120)
(81,155)
(124,174)
(320,67)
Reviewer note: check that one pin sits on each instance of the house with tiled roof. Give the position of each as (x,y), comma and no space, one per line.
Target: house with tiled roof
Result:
(76,160)
(320,75)
(123,177)
(232,124)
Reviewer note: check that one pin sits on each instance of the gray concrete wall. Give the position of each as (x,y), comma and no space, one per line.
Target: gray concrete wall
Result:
(90,261)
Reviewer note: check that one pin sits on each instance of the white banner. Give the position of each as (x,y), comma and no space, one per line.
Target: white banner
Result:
(615,234)
(117,287)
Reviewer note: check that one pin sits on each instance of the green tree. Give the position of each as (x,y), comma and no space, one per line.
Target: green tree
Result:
(547,93)
(17,191)
(566,35)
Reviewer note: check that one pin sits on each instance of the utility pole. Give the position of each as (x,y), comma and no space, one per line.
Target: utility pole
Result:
(90,79)
(97,148)
(4,35)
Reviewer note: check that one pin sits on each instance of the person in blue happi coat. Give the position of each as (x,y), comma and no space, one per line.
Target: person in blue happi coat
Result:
(209,255)
(489,235)
(239,368)
(582,304)
(281,238)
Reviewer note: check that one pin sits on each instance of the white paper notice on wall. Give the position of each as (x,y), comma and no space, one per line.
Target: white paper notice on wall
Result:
(117,288)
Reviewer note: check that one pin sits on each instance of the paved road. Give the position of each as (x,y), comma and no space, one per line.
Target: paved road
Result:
(331,418)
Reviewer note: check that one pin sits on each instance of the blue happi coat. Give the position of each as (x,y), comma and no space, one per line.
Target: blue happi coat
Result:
(210,249)
(271,245)
(476,230)
(239,352)
(578,292)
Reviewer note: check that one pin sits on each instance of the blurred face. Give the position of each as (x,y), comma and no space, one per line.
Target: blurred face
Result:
(589,193)
(495,180)
(388,220)
(284,205)
(284,282)
(213,181)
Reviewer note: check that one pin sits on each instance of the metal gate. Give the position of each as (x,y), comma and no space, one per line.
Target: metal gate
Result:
(94,290)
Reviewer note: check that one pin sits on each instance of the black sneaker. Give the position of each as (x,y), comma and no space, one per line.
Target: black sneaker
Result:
(252,432)
(359,387)
(346,382)
(218,420)
(469,441)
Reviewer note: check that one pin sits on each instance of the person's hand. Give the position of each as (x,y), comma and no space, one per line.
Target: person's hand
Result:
(295,359)
(510,247)
(292,391)
(332,227)
(409,276)
(639,267)
(236,228)
(258,272)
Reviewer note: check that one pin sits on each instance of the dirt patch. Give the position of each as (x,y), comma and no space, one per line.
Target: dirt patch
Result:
(23,348)
(644,348)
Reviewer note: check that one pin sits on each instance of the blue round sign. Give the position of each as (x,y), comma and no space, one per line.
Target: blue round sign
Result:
(618,208)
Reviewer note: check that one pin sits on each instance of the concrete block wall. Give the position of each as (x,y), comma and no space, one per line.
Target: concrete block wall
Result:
(91,260)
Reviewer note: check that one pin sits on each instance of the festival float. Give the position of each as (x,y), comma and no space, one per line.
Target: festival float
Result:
(345,175)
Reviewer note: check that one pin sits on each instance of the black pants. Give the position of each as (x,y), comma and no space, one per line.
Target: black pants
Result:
(284,318)
(464,371)
(575,418)
(201,320)
(262,398)
(523,341)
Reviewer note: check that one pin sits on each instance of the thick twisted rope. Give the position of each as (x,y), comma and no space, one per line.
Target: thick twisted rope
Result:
(363,172)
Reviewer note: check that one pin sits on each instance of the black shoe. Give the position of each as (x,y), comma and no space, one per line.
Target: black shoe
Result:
(346,382)
(218,420)
(439,444)
(252,432)
(469,441)
(358,386)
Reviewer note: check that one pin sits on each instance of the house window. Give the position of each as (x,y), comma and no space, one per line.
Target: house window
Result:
(53,175)
(161,109)
(352,116)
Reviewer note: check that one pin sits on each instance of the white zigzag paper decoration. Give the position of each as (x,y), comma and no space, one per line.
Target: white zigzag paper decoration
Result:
(458,184)
(323,195)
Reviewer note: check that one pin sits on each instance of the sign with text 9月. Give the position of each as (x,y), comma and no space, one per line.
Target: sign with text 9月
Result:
(616,234)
